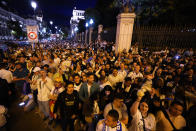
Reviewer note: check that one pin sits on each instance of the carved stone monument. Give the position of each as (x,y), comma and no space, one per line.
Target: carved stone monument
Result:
(125,22)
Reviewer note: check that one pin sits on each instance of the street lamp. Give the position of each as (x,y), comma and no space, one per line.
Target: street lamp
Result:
(56,27)
(86,32)
(91,21)
(51,22)
(86,25)
(90,30)
(34,5)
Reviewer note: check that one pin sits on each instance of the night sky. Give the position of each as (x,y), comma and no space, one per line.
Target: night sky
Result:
(59,11)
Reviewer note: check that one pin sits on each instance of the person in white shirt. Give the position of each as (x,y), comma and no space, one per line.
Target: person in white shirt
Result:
(77,82)
(119,106)
(142,120)
(46,60)
(44,85)
(175,115)
(122,72)
(5,74)
(103,82)
(111,123)
(136,73)
(114,77)
(56,59)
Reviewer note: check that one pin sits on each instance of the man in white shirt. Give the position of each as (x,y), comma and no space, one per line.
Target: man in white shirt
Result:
(77,82)
(5,74)
(175,115)
(136,73)
(119,106)
(114,77)
(122,72)
(111,123)
(56,59)
(44,85)
(88,88)
(104,82)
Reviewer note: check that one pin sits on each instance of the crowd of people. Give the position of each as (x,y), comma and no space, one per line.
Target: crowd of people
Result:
(95,89)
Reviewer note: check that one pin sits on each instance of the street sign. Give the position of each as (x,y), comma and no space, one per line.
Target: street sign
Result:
(32,34)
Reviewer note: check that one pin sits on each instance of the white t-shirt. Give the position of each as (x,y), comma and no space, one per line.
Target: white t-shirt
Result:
(77,88)
(57,61)
(120,110)
(100,126)
(137,122)
(7,75)
(122,75)
(134,75)
(113,80)
(104,84)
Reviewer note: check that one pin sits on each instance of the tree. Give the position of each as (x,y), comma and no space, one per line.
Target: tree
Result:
(15,28)
(81,26)
(92,13)
(108,12)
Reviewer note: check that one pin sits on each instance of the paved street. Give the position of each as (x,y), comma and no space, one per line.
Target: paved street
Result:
(26,121)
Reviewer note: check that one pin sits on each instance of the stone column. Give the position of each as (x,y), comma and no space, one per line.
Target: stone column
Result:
(124,31)
(86,33)
(82,36)
(90,34)
(80,39)
(100,29)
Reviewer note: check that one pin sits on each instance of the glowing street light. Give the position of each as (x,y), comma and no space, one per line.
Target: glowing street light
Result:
(34,4)
(76,29)
(91,21)
(51,22)
(90,30)
(56,27)
(86,25)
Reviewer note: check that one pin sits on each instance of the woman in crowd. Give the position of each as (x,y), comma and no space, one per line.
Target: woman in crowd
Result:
(141,119)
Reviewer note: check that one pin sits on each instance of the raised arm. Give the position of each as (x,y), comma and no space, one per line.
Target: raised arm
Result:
(135,106)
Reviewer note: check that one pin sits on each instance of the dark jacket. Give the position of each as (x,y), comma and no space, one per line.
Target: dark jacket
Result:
(83,93)
(67,103)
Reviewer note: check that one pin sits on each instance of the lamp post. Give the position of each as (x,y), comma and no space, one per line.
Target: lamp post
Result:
(34,6)
(90,30)
(86,33)
(51,23)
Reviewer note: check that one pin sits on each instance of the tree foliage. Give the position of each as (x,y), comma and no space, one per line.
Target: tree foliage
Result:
(147,11)
(81,26)
(17,31)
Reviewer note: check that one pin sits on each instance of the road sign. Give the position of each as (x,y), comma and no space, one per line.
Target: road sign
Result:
(32,34)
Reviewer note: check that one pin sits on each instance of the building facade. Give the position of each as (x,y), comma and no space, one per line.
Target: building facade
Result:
(75,19)
(5,16)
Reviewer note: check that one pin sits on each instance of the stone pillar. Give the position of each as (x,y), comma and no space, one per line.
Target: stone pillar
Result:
(86,33)
(90,34)
(82,36)
(100,29)
(80,39)
(124,31)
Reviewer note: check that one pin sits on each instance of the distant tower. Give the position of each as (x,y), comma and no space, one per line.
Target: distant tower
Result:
(39,15)
(75,19)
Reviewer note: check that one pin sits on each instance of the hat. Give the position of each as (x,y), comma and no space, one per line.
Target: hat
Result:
(36,69)
(58,79)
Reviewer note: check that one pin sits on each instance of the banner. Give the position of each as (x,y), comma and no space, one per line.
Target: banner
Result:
(32,34)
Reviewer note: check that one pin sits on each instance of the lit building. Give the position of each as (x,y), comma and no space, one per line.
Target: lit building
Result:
(5,16)
(75,19)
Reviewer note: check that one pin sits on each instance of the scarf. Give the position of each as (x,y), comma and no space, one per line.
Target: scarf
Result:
(118,127)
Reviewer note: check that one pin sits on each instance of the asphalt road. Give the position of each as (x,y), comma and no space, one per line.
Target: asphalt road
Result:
(27,121)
